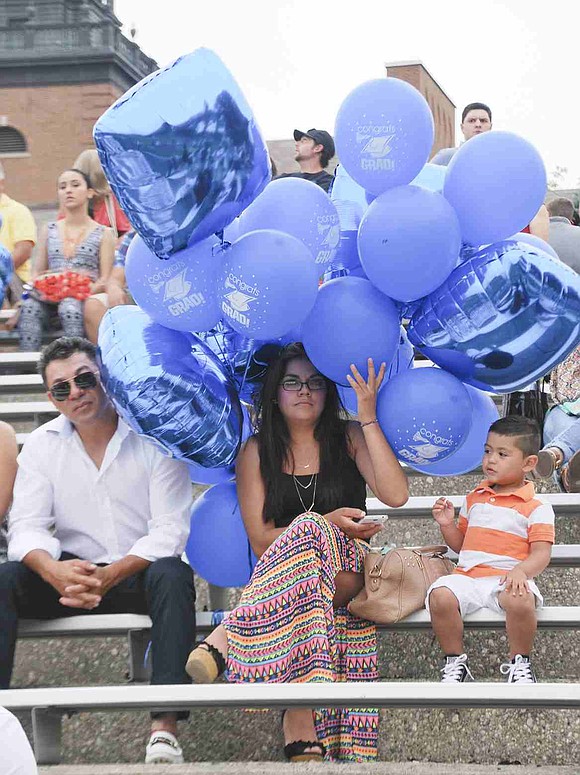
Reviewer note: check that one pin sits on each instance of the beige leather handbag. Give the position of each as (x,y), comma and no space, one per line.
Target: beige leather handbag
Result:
(397,580)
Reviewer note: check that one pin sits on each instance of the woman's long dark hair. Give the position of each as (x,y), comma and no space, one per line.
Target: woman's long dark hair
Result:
(274,440)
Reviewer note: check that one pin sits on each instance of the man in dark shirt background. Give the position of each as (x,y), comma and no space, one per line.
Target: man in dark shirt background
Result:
(314,149)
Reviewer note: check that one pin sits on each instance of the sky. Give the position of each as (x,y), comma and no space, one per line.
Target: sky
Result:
(297,61)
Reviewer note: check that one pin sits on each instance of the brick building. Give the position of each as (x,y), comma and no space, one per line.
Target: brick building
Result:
(417,75)
(62,63)
(442,108)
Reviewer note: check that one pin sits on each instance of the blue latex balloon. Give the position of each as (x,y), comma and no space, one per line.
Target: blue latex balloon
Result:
(6,270)
(503,318)
(383,134)
(300,208)
(267,284)
(469,455)
(201,475)
(170,388)
(179,293)
(425,414)
(182,152)
(496,183)
(431,177)
(349,199)
(535,242)
(350,322)
(218,548)
(402,361)
(409,242)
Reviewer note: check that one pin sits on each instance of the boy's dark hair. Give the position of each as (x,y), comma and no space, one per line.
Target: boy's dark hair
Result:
(63,348)
(525,432)
(475,106)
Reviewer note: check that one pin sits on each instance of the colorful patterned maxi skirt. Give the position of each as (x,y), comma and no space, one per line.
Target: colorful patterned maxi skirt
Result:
(285,629)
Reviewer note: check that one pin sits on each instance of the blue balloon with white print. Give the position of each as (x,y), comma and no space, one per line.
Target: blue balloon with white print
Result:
(384,133)
(182,152)
(300,208)
(470,454)
(425,415)
(179,293)
(267,284)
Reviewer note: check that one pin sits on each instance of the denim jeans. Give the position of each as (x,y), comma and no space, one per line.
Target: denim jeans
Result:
(563,431)
(164,590)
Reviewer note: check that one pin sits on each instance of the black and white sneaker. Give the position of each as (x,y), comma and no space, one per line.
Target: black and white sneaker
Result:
(163,748)
(518,671)
(456,670)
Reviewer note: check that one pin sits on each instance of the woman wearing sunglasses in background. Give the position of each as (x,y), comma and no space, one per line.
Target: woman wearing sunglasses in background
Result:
(74,244)
(301,484)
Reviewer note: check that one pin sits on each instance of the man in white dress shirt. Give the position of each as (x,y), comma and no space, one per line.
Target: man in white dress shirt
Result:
(98,524)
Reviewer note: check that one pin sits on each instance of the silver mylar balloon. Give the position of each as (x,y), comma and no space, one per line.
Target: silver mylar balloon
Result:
(182,152)
(503,318)
(169,387)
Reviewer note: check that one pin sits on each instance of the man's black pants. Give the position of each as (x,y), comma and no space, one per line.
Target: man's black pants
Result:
(164,590)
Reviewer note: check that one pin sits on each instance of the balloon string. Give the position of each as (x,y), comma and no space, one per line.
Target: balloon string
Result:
(251,343)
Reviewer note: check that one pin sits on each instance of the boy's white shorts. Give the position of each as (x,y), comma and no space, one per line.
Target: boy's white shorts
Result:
(477,593)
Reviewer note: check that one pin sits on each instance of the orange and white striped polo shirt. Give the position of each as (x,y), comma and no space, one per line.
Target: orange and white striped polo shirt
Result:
(499,529)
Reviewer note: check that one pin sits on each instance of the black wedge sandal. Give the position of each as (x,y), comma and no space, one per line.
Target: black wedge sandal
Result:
(296,750)
(205,664)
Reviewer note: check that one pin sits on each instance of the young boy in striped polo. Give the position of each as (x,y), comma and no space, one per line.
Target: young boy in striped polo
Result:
(504,538)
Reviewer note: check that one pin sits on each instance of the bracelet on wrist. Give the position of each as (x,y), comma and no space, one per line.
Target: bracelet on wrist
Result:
(370,422)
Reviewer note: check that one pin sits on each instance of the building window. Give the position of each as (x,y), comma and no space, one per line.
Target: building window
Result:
(11,141)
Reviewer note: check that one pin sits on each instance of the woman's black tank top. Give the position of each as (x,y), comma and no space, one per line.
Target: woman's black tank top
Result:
(354,495)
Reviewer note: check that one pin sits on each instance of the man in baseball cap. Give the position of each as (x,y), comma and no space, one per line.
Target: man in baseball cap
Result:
(314,149)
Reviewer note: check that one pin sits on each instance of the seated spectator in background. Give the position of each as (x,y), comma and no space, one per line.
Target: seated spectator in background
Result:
(116,291)
(98,524)
(75,244)
(475,119)
(563,236)
(105,208)
(314,150)
(18,235)
(560,456)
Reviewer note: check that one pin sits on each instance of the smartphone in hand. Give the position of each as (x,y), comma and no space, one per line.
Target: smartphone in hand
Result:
(374,519)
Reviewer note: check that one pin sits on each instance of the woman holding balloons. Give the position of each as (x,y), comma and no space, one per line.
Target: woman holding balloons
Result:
(302,487)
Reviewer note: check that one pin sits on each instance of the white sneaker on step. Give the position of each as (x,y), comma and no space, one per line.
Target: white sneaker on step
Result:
(456,670)
(518,671)
(163,748)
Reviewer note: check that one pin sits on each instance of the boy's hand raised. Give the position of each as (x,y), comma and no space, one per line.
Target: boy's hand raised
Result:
(443,512)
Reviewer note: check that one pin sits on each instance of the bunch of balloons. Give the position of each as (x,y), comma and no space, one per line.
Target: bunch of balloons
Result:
(227,267)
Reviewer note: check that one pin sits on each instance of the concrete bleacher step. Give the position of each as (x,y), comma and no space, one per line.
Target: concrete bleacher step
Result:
(327,768)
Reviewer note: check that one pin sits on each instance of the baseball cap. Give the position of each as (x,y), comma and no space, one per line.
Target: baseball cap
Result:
(320,137)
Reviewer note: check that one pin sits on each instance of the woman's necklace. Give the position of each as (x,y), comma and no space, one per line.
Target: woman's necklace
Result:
(70,242)
(297,484)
